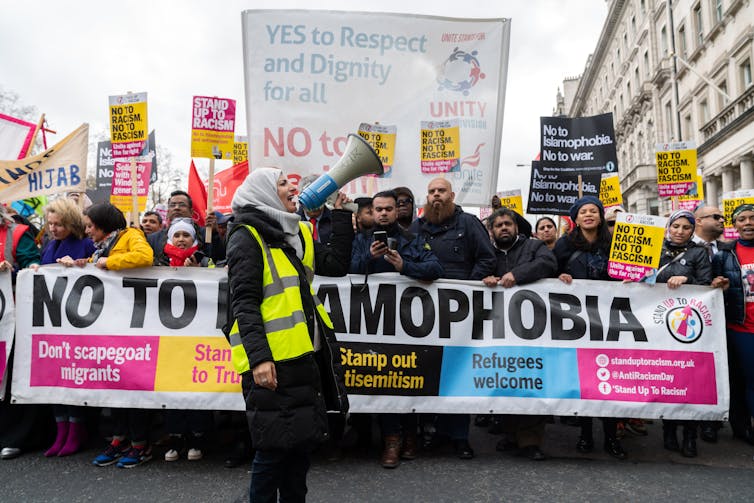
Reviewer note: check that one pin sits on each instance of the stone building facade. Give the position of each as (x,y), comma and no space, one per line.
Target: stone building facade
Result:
(631,74)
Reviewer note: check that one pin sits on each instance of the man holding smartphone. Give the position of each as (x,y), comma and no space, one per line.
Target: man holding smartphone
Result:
(389,248)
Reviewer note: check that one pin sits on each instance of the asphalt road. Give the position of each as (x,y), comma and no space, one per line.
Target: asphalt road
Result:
(723,472)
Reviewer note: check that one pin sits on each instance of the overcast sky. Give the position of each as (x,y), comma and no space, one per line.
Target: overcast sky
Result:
(66,58)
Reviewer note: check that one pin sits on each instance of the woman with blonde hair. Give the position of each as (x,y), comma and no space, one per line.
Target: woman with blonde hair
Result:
(64,223)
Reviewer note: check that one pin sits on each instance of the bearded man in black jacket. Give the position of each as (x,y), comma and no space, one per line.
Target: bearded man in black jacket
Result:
(520,260)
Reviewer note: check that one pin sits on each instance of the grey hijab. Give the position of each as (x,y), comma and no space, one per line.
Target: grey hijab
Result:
(260,190)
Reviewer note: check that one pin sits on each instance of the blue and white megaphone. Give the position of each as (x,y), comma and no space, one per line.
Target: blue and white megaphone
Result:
(359,159)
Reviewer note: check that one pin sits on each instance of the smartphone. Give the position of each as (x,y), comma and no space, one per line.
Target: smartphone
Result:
(198,256)
(381,236)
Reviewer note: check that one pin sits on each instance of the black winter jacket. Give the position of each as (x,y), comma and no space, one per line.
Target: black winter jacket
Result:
(461,243)
(294,414)
(725,263)
(418,260)
(582,264)
(694,264)
(528,259)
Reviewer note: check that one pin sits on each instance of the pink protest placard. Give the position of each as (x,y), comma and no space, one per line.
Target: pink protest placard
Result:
(94,361)
(120,193)
(213,123)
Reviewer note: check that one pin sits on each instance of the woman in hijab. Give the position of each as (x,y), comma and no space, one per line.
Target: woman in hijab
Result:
(682,263)
(279,332)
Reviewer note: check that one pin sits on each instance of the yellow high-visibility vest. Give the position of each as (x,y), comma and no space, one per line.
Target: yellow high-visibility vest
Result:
(282,309)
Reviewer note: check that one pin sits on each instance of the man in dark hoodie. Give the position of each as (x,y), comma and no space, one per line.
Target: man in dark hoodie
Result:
(520,260)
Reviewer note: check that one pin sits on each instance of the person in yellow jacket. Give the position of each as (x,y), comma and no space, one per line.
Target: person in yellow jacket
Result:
(119,247)
(282,339)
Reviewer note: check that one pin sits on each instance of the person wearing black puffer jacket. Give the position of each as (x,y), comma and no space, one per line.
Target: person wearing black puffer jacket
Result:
(682,262)
(583,254)
(282,339)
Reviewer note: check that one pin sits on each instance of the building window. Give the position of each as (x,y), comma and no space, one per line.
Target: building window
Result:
(668,121)
(643,6)
(637,82)
(722,100)
(718,9)
(633,27)
(653,206)
(699,25)
(622,107)
(664,41)
(688,132)
(617,55)
(625,42)
(647,69)
(703,112)
(745,70)
(628,90)
(682,41)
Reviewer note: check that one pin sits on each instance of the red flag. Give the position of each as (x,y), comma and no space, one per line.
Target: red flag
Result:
(226,183)
(198,193)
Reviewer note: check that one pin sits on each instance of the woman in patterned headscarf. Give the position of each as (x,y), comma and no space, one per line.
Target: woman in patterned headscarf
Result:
(682,262)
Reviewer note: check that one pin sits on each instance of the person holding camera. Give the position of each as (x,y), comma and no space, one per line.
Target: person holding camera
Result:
(389,248)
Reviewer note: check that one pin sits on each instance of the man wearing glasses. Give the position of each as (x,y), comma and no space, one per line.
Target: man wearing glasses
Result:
(611,215)
(181,206)
(710,224)
(404,206)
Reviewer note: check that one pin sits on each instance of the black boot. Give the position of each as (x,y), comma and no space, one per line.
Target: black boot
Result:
(614,448)
(669,438)
(689,442)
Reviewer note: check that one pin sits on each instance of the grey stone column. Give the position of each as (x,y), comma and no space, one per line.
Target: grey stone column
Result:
(747,173)
(711,188)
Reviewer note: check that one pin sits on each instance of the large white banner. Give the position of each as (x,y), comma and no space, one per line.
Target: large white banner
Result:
(144,338)
(437,85)
(7,324)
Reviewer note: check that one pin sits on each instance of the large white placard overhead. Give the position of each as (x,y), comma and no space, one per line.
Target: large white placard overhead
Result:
(312,77)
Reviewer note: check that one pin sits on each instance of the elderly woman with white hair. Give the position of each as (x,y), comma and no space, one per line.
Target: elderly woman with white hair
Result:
(282,338)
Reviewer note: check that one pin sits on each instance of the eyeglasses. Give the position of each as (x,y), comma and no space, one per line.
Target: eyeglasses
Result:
(716,216)
(178,204)
(401,202)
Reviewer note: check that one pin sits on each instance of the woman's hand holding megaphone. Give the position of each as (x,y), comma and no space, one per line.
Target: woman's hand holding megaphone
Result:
(341,200)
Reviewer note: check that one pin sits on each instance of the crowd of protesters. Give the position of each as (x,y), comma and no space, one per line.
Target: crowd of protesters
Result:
(382,234)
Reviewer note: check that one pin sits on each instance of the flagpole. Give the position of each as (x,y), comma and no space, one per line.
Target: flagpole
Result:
(210,200)
(34,136)
(134,194)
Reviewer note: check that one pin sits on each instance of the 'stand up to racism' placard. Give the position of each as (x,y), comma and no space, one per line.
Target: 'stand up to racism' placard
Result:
(212,125)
